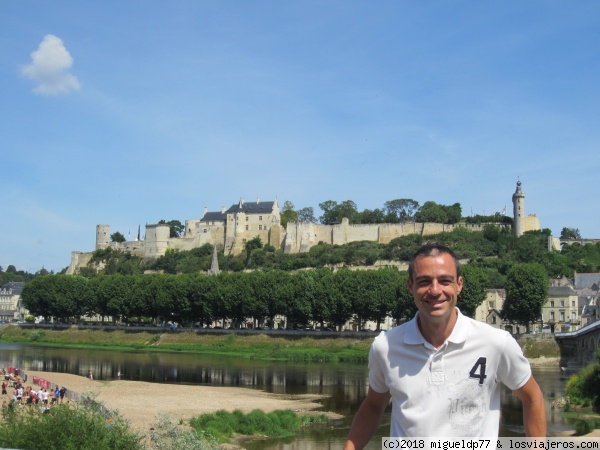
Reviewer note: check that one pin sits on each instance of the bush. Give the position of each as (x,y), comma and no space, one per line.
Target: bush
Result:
(167,435)
(276,424)
(583,388)
(83,425)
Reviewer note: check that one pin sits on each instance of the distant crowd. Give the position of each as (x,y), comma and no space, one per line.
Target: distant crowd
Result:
(40,394)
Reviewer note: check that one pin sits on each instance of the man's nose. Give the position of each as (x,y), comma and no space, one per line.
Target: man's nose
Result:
(435,288)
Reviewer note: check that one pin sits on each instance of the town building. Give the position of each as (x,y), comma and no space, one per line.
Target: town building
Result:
(11,309)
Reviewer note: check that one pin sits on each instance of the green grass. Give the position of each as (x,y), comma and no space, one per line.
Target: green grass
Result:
(255,346)
(223,425)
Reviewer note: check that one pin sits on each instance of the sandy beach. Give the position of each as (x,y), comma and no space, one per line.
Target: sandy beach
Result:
(141,402)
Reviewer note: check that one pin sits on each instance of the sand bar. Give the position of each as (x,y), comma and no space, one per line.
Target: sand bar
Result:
(140,402)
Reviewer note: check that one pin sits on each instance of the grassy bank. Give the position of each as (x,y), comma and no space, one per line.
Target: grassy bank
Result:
(340,348)
(254,346)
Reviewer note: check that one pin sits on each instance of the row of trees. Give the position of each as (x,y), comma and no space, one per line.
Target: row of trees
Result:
(320,296)
(12,274)
(393,211)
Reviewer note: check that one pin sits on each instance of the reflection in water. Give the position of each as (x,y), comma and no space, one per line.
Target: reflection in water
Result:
(344,385)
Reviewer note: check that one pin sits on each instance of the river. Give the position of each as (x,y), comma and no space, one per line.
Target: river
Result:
(344,385)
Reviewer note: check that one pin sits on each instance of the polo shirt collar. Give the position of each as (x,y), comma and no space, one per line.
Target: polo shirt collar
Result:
(459,332)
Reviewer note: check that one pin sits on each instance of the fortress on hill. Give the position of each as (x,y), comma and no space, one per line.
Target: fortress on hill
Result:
(230,229)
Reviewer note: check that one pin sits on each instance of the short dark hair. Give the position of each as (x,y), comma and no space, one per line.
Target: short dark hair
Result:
(432,250)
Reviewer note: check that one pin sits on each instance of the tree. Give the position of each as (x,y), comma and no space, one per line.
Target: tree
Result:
(329,212)
(570,233)
(176,228)
(252,244)
(404,308)
(431,212)
(117,237)
(306,214)
(526,293)
(401,209)
(473,292)
(288,214)
(372,216)
(334,212)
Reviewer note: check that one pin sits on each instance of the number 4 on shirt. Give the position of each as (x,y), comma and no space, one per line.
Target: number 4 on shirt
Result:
(478,370)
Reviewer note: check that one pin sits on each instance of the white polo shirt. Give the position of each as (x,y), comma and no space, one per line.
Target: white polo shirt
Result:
(451,391)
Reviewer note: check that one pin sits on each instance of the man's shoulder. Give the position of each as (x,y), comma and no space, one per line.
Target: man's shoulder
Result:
(395,334)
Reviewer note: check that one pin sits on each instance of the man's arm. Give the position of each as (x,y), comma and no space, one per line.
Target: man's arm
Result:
(534,412)
(367,419)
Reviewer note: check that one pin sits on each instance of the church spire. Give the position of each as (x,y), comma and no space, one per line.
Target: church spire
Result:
(214,263)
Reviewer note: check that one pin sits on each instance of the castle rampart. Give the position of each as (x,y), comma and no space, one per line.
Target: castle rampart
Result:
(230,229)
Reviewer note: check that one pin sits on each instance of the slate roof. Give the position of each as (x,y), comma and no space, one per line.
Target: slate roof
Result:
(252,208)
(16,286)
(214,216)
(561,291)
(586,280)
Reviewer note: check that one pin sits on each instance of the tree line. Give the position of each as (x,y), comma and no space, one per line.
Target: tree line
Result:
(320,296)
(393,211)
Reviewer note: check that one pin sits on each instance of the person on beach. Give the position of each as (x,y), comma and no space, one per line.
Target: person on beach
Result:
(62,392)
(90,376)
(4,388)
(442,370)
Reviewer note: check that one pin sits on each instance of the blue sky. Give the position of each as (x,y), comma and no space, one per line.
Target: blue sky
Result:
(129,112)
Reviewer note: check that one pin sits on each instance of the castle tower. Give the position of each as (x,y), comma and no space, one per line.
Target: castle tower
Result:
(518,199)
(102,237)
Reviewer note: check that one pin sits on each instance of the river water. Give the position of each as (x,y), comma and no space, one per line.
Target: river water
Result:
(343,385)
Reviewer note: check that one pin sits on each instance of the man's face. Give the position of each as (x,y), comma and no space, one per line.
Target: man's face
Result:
(435,286)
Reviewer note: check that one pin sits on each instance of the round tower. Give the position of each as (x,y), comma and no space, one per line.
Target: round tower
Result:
(518,199)
(102,236)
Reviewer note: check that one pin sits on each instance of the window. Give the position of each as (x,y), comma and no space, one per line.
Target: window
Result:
(562,303)
(205,230)
(493,319)
(259,217)
(562,316)
(551,316)
(247,218)
(573,316)
(573,304)
(551,303)
(492,305)
(260,228)
(247,227)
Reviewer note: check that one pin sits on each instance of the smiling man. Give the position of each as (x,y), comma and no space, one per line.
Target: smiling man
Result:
(442,370)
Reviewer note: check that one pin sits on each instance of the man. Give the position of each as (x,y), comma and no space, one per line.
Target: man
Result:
(442,370)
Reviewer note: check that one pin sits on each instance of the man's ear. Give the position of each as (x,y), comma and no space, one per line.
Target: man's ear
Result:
(459,284)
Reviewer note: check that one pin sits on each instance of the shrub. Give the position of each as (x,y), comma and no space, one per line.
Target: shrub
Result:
(276,424)
(70,426)
(583,388)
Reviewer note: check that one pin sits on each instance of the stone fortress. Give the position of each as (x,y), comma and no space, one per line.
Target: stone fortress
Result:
(230,229)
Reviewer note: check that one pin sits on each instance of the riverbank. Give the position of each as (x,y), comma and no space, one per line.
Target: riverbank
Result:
(285,346)
(141,402)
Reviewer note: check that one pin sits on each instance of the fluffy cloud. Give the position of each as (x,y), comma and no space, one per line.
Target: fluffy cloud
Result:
(50,66)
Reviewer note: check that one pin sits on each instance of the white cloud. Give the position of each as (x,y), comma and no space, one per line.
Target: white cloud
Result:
(50,68)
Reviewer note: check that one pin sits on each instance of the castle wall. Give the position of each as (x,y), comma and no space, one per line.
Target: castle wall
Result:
(157,240)
(191,228)
(531,223)
(78,260)
(102,236)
